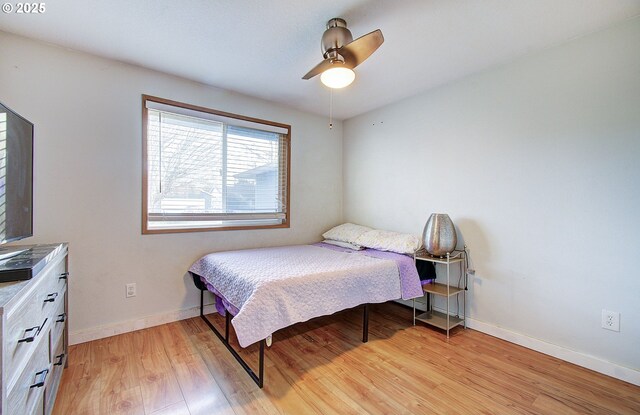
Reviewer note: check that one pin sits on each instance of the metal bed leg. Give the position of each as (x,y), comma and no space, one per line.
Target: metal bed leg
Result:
(227,318)
(261,365)
(259,380)
(365,324)
(201,303)
(414,311)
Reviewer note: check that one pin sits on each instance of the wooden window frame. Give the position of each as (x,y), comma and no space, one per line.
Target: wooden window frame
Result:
(145,181)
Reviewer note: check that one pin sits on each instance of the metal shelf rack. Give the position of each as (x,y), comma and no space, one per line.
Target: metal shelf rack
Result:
(445,321)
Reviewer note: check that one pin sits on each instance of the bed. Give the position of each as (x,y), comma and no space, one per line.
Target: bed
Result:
(260,291)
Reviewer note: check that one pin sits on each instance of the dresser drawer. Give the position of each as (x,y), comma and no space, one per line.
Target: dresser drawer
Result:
(59,275)
(57,363)
(27,395)
(58,323)
(53,294)
(24,327)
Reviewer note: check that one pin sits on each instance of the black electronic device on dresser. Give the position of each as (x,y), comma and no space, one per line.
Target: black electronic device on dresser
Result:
(16,180)
(28,262)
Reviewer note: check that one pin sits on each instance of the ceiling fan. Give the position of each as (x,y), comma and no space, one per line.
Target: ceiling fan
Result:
(342,53)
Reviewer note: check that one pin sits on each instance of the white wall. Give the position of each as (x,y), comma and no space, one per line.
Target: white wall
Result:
(87,116)
(538,164)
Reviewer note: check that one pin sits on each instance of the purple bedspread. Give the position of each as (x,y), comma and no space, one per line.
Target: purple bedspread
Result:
(273,288)
(409,279)
(222,304)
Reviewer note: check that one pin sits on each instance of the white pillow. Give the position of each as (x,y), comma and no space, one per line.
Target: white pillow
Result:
(347,232)
(402,243)
(343,244)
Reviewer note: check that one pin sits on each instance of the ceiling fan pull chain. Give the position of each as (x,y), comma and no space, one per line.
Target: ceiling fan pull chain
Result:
(331,109)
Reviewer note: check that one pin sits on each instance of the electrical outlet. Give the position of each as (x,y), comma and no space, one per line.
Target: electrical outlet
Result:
(131,290)
(610,320)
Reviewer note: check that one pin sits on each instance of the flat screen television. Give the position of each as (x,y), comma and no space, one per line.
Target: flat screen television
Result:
(16,178)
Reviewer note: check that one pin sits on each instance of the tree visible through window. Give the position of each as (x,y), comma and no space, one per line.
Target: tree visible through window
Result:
(210,170)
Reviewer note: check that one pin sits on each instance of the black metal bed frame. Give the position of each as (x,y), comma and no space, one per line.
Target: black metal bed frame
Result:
(259,379)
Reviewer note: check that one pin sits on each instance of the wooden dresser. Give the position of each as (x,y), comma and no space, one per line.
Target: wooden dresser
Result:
(34,330)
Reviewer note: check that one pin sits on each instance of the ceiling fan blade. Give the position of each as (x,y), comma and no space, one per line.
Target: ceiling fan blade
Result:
(359,50)
(318,69)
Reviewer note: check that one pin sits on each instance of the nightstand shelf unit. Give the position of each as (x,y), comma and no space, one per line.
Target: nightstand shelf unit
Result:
(445,320)
(439,320)
(441,289)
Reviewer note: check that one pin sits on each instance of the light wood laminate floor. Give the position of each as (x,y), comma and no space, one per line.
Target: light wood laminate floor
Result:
(321,367)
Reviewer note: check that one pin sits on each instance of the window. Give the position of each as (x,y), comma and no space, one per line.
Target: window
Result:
(210,170)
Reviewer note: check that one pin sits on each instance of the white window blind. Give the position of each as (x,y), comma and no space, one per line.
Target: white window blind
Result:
(207,171)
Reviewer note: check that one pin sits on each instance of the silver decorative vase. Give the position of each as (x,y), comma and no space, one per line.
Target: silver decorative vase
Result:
(439,236)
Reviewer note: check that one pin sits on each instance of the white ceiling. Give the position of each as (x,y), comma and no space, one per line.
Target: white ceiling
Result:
(262,48)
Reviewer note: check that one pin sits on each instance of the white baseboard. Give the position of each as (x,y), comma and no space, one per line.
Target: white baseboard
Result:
(590,362)
(109,330)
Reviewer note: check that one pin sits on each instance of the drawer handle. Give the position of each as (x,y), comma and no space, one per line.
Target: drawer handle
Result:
(43,374)
(29,339)
(61,318)
(63,276)
(40,328)
(60,358)
(51,298)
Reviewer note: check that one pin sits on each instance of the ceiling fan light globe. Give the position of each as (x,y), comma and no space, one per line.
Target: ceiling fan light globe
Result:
(338,77)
